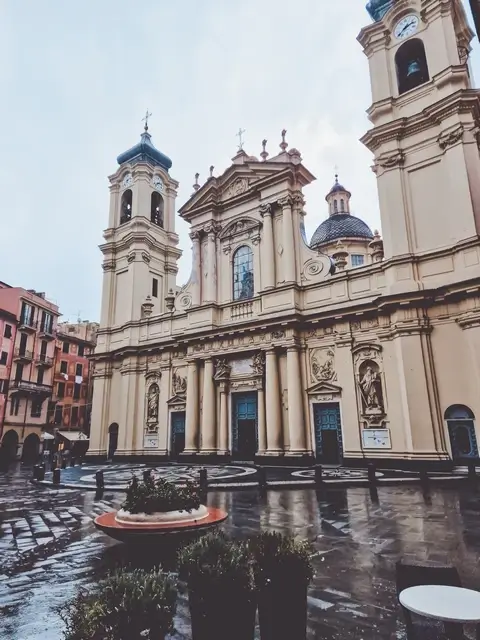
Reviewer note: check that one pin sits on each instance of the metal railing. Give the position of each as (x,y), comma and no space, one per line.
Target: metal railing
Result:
(33,387)
(24,354)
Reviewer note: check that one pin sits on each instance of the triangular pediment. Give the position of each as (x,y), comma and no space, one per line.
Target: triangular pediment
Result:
(324,387)
(176,400)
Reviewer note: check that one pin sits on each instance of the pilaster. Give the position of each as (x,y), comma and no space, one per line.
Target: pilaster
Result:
(192,411)
(268,248)
(273,410)
(296,421)
(208,433)
(288,239)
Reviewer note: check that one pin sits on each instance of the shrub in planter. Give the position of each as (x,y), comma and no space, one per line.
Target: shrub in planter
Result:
(221,588)
(128,605)
(160,496)
(283,571)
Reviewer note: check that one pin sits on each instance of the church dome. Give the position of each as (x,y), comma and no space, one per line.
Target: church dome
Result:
(378,8)
(340,225)
(144,151)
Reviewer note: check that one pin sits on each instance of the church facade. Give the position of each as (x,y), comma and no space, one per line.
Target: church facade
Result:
(345,349)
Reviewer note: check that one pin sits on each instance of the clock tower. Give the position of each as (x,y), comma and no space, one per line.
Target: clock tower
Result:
(140,250)
(425,117)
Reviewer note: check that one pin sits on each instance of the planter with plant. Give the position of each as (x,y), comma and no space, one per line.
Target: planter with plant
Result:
(221,588)
(128,605)
(160,502)
(283,571)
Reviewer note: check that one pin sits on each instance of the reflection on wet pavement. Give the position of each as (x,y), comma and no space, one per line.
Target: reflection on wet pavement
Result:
(48,547)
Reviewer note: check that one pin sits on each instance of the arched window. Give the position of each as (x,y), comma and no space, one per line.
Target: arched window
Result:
(243,274)
(335,206)
(156,209)
(342,205)
(461,429)
(411,63)
(126,207)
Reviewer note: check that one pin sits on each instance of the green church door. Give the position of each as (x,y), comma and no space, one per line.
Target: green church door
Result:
(178,433)
(244,426)
(328,433)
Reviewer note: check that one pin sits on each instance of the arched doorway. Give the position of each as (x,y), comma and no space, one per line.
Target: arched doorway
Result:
(112,440)
(31,449)
(461,429)
(9,446)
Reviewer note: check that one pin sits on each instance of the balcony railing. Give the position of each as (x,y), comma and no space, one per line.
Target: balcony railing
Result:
(46,329)
(43,361)
(30,387)
(27,323)
(242,310)
(23,354)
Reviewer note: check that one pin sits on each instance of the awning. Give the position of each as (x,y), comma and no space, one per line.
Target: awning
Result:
(73,436)
(47,436)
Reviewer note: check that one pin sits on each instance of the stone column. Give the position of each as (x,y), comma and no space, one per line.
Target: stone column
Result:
(296,422)
(208,439)
(273,410)
(223,427)
(196,277)
(107,308)
(191,418)
(267,248)
(262,423)
(211,288)
(288,240)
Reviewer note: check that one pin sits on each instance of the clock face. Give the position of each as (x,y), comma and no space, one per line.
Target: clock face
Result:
(128,180)
(406,27)
(157,183)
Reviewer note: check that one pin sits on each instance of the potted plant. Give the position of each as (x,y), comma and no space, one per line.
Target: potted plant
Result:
(283,571)
(221,588)
(160,502)
(128,605)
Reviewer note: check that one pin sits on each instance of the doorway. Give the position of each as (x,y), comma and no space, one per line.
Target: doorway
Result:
(178,433)
(112,440)
(31,449)
(9,446)
(244,426)
(461,429)
(328,433)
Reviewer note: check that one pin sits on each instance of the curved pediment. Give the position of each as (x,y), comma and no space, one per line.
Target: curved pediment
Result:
(243,226)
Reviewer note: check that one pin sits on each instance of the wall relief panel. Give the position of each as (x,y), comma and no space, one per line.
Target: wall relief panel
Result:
(322,365)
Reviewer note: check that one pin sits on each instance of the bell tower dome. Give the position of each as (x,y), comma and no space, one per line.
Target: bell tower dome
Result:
(140,249)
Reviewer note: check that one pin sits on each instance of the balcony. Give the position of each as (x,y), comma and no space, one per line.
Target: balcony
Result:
(41,360)
(26,387)
(242,310)
(27,324)
(45,331)
(22,355)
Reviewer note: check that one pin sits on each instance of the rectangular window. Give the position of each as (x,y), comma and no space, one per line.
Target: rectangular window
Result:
(63,366)
(40,376)
(4,386)
(81,350)
(61,390)
(76,392)
(19,372)
(26,316)
(79,370)
(14,406)
(154,288)
(357,260)
(66,347)
(47,322)
(74,420)
(58,414)
(36,410)
(23,344)
(50,412)
(43,348)
(3,357)
(7,332)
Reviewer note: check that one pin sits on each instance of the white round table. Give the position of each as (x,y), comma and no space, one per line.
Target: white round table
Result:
(449,604)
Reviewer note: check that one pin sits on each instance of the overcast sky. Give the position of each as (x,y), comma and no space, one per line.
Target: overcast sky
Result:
(76,80)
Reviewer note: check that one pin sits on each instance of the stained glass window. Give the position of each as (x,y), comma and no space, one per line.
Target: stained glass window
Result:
(243,273)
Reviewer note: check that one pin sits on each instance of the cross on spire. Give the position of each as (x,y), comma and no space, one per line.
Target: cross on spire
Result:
(240,138)
(145,119)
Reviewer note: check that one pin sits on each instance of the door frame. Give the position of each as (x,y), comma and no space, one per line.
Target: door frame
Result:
(170,442)
(233,418)
(339,430)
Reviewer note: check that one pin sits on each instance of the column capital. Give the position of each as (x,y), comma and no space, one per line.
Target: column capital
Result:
(266,209)
(212,229)
(285,202)
(195,235)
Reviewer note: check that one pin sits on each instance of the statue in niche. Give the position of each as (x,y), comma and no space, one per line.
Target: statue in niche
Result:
(371,389)
(152,403)
(258,363)
(179,384)
(222,369)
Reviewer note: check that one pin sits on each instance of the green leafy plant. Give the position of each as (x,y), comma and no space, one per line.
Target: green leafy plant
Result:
(159,496)
(128,605)
(216,562)
(276,556)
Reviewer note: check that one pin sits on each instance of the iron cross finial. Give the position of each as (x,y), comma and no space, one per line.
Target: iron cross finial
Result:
(240,138)
(145,119)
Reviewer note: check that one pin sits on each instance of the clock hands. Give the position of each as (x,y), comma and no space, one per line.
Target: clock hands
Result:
(409,24)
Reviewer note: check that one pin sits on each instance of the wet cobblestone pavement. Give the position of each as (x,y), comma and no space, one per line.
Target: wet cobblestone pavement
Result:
(49,546)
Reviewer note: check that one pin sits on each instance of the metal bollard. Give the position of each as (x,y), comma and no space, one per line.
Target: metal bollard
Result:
(472,470)
(147,474)
(41,471)
(35,472)
(262,478)
(372,478)
(99,481)
(203,481)
(56,476)
(318,474)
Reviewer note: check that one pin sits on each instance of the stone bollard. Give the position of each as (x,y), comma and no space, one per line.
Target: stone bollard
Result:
(318,475)
(472,471)
(147,474)
(203,481)
(372,478)
(262,478)
(41,471)
(56,476)
(99,481)
(35,472)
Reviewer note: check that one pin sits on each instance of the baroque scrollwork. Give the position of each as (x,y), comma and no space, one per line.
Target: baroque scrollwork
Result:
(388,161)
(278,335)
(239,186)
(258,363)
(222,369)
(312,268)
(446,140)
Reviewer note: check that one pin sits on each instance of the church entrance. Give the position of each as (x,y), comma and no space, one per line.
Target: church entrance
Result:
(244,426)
(112,440)
(461,429)
(328,433)
(178,433)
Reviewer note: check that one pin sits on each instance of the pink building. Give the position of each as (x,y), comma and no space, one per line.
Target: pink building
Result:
(27,376)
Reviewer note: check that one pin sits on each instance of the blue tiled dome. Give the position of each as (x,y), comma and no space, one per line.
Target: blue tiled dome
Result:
(146,152)
(340,225)
(378,8)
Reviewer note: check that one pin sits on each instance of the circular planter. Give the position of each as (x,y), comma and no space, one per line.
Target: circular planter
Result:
(164,518)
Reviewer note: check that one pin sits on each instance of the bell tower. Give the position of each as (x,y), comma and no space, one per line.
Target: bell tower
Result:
(140,250)
(425,117)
